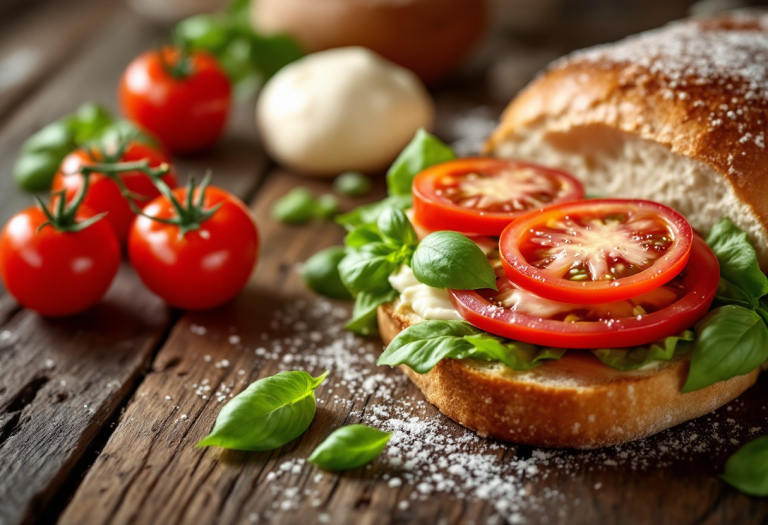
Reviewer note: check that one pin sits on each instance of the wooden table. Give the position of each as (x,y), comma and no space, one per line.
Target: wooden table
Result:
(99,413)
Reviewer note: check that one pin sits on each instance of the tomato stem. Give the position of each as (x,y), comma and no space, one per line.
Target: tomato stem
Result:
(64,217)
(193,215)
(182,68)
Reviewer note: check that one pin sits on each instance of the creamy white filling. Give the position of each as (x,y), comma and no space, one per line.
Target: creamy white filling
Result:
(426,302)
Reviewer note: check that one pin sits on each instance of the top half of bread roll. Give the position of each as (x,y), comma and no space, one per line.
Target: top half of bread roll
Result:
(678,115)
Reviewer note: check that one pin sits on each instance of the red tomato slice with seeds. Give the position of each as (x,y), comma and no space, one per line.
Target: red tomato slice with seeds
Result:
(665,311)
(596,251)
(483,195)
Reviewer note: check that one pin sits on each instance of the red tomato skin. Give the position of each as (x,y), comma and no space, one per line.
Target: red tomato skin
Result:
(207,267)
(57,273)
(536,281)
(701,281)
(433,214)
(188,115)
(104,194)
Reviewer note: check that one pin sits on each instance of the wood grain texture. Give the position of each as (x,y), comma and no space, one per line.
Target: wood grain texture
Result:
(150,470)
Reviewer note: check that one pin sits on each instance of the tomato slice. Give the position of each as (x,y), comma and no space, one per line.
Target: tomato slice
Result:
(665,311)
(596,251)
(483,195)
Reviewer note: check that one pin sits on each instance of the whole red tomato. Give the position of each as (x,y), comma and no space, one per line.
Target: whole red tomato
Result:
(203,261)
(182,98)
(103,193)
(53,272)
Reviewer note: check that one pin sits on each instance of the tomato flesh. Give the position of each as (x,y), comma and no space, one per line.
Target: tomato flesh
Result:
(665,311)
(483,195)
(596,251)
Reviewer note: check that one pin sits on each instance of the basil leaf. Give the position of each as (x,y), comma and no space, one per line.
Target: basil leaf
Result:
(422,345)
(352,184)
(295,207)
(321,273)
(396,228)
(369,213)
(362,235)
(326,206)
(364,321)
(747,469)
(268,414)
(729,293)
(637,357)
(350,447)
(731,341)
(516,355)
(423,151)
(368,269)
(737,257)
(447,259)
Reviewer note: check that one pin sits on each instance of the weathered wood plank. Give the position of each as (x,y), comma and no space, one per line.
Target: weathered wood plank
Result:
(42,41)
(150,471)
(62,380)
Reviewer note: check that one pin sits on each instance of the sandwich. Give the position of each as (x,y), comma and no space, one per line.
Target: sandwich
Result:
(598,276)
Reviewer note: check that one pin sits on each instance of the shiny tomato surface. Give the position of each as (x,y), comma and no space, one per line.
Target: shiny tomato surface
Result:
(187,113)
(103,193)
(203,268)
(668,310)
(596,251)
(57,273)
(483,195)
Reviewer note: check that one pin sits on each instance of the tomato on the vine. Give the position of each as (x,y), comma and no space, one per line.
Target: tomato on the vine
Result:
(194,253)
(58,263)
(181,97)
(668,310)
(483,195)
(104,194)
(595,251)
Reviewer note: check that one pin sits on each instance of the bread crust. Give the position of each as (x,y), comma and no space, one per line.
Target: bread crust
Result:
(693,86)
(575,402)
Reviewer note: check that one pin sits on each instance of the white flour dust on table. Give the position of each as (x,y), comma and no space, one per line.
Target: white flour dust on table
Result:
(430,456)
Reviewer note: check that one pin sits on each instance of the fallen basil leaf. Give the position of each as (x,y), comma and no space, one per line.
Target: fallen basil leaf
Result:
(321,273)
(350,447)
(364,320)
(268,414)
(423,151)
(326,206)
(296,207)
(747,469)
(352,184)
(730,341)
(448,259)
(639,356)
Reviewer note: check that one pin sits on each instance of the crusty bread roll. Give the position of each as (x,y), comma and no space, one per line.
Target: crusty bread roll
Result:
(575,402)
(676,115)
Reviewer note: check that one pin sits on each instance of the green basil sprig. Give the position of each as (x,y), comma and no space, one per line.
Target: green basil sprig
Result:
(639,356)
(731,341)
(42,153)
(368,214)
(448,259)
(423,151)
(363,320)
(350,447)
(321,273)
(747,469)
(423,345)
(268,414)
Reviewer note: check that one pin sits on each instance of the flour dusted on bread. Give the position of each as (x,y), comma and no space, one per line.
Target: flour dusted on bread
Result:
(678,115)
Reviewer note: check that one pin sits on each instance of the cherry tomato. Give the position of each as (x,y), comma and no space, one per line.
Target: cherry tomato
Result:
(665,311)
(182,100)
(203,268)
(596,251)
(483,195)
(57,273)
(103,193)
